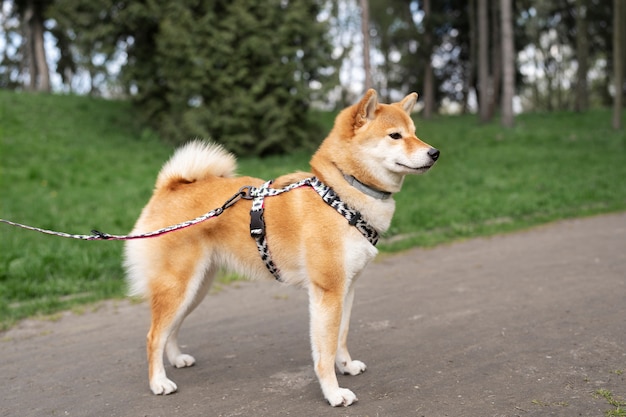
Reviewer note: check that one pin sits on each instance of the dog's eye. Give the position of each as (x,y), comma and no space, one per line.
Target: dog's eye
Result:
(395,135)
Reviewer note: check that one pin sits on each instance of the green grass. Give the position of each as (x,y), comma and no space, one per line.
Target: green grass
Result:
(69,164)
(491,180)
(618,403)
(75,163)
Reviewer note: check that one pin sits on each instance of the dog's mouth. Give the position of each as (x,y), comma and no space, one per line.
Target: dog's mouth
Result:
(416,169)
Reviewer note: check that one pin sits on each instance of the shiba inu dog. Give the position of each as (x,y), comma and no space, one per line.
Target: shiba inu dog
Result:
(311,240)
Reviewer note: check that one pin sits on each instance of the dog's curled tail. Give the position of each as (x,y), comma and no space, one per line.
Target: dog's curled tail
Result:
(195,161)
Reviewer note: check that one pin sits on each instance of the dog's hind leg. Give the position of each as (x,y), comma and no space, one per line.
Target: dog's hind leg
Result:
(172,297)
(344,362)
(172,348)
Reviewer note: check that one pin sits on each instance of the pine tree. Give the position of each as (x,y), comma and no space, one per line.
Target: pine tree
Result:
(238,72)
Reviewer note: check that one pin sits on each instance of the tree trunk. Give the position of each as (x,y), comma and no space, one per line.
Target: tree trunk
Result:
(43,71)
(429,90)
(470,82)
(29,52)
(618,61)
(38,70)
(582,56)
(496,58)
(508,62)
(483,61)
(365,30)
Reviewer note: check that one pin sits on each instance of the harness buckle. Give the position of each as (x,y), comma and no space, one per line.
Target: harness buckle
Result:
(257,224)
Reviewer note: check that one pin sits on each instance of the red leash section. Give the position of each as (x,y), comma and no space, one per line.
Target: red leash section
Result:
(244,192)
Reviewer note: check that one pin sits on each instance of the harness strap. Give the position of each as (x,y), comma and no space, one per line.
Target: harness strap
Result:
(353,216)
(257,222)
(257,228)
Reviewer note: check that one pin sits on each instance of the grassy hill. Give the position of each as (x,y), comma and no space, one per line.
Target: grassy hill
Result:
(77,163)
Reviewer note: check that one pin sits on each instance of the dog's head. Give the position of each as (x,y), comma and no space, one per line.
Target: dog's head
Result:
(377,144)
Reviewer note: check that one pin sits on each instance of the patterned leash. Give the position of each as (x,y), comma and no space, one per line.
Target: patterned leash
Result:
(248,192)
(245,192)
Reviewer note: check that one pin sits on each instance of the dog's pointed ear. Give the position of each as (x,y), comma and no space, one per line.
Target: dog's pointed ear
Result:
(408,103)
(366,108)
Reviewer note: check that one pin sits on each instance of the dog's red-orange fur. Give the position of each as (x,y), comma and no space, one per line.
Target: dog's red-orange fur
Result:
(310,242)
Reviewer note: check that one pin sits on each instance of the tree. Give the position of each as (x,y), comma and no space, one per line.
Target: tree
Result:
(618,61)
(564,40)
(238,72)
(471,65)
(429,82)
(32,13)
(508,62)
(365,31)
(582,57)
(11,65)
(483,61)
(88,38)
(391,21)
(496,58)
(344,22)
(247,72)
(424,46)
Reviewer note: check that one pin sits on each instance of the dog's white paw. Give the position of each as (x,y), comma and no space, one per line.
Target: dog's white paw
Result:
(352,367)
(183,360)
(341,397)
(163,386)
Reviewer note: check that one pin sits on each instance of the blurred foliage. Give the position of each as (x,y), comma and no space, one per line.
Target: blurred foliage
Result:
(240,72)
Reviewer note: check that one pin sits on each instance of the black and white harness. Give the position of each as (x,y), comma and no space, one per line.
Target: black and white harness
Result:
(257,223)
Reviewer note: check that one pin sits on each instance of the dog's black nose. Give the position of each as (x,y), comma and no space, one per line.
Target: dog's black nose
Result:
(433,153)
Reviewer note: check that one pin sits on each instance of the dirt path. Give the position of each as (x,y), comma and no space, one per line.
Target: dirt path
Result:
(526,324)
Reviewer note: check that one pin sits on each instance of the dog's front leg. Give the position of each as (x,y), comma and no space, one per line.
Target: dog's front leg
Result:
(344,362)
(325,306)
